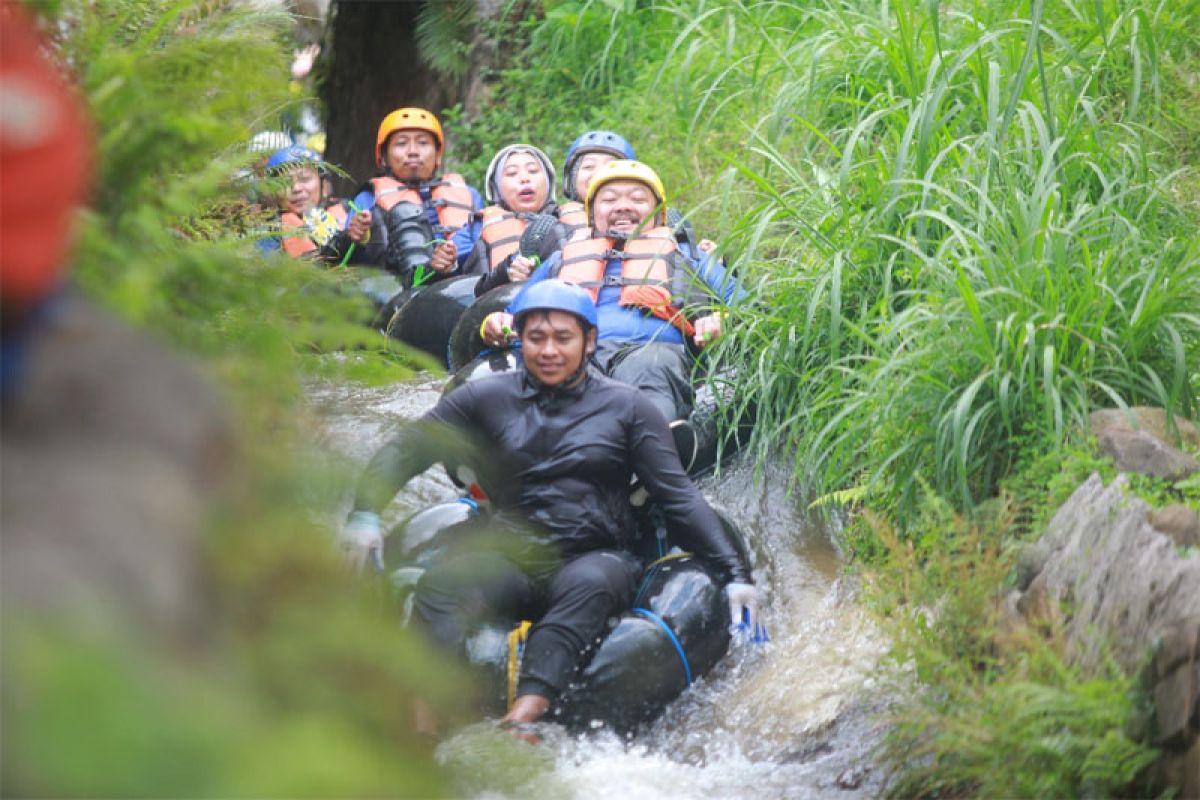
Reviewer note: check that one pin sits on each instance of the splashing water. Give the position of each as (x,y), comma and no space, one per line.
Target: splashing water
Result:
(792,718)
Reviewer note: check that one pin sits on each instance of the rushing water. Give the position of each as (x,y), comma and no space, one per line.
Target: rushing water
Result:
(792,718)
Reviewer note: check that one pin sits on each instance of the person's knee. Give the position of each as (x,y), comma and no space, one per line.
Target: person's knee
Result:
(447,578)
(438,592)
(662,373)
(606,573)
(666,403)
(469,583)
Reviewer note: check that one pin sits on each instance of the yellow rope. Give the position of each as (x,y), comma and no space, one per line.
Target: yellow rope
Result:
(670,557)
(516,638)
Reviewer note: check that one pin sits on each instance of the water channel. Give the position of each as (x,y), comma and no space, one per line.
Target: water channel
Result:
(790,719)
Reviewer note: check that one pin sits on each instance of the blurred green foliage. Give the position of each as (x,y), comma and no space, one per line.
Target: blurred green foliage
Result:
(177,89)
(298,681)
(443,35)
(964,225)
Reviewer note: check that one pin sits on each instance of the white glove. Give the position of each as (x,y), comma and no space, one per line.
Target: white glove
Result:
(360,539)
(743,610)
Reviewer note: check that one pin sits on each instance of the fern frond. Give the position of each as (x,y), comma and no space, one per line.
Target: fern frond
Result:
(841,497)
(444,32)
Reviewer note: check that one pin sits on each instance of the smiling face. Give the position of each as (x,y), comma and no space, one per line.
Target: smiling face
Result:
(620,206)
(554,345)
(303,193)
(411,155)
(523,183)
(586,168)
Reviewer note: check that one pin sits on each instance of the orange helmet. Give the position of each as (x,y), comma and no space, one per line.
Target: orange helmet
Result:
(407,118)
(45,160)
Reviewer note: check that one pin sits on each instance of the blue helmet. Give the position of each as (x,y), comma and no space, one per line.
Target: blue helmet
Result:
(593,142)
(554,295)
(293,154)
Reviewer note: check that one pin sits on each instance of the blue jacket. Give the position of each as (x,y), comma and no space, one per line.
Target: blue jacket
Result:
(630,324)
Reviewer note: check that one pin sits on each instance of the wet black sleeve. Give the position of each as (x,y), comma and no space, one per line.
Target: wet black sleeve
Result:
(493,278)
(443,432)
(340,244)
(372,252)
(475,263)
(690,520)
(333,251)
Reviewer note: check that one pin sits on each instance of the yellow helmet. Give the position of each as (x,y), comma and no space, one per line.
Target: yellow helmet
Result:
(407,118)
(624,170)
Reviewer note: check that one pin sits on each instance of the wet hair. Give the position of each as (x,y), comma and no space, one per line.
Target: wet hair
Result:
(544,314)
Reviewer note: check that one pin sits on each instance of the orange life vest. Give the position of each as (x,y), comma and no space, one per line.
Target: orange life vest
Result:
(573,215)
(302,243)
(450,197)
(501,233)
(650,275)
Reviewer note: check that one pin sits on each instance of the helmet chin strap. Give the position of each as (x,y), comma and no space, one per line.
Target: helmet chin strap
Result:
(579,372)
(619,239)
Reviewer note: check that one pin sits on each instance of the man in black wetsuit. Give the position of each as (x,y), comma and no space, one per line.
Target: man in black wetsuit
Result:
(562,440)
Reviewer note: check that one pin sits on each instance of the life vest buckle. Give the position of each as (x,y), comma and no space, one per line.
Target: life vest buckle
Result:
(613,280)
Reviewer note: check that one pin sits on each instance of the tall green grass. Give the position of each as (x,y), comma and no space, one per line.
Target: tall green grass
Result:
(961,226)
(964,226)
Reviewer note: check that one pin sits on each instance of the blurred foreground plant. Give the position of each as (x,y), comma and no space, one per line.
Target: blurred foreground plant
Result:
(293,680)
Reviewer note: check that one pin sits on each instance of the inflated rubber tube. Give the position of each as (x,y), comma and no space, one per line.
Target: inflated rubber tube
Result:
(377,284)
(424,535)
(424,317)
(638,669)
(465,343)
(487,363)
(379,287)
(415,544)
(392,307)
(676,632)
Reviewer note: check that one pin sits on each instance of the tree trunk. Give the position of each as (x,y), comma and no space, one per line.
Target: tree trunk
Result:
(374,69)
(484,55)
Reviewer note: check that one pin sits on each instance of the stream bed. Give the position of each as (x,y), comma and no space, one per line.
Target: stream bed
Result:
(793,718)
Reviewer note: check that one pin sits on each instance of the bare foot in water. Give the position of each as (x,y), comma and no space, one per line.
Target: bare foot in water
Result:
(527,709)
